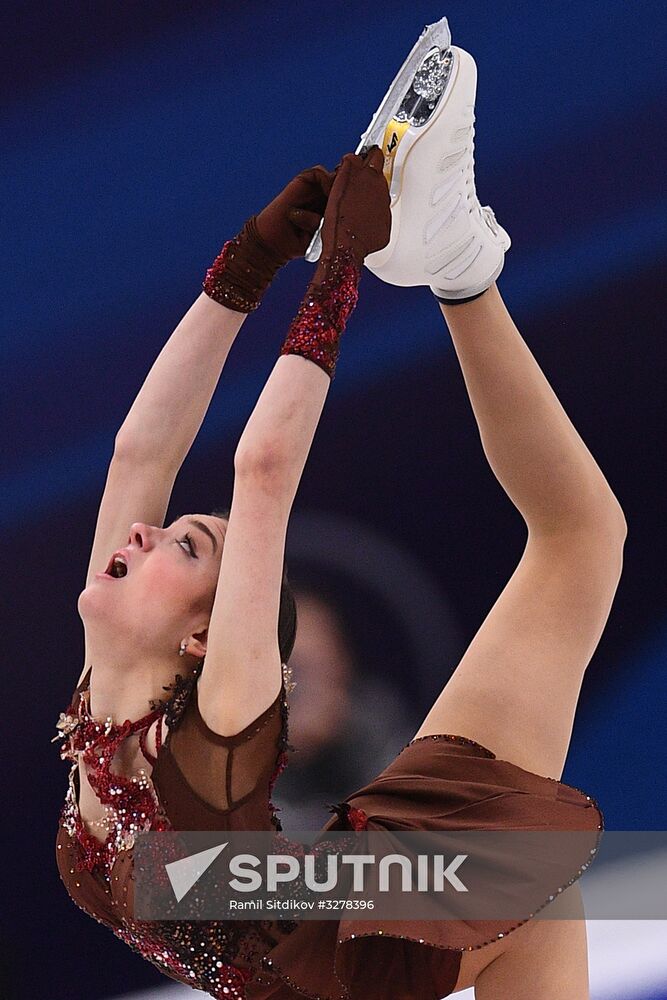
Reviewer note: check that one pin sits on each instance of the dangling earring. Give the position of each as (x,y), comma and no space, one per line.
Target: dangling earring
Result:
(181,651)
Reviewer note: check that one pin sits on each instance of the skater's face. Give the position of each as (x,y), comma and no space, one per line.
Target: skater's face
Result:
(168,589)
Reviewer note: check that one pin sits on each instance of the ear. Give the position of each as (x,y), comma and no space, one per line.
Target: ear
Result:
(197,643)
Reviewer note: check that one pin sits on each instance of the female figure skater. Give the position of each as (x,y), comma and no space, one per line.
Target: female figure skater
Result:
(207,594)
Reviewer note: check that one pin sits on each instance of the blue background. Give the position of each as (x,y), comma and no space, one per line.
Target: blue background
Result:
(136,140)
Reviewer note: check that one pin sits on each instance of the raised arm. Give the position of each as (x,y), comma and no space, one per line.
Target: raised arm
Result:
(170,408)
(241,676)
(164,419)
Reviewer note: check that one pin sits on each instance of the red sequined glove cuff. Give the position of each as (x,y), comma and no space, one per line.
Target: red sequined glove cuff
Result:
(325,308)
(242,271)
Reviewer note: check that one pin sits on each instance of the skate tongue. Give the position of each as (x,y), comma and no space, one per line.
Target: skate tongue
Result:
(490,219)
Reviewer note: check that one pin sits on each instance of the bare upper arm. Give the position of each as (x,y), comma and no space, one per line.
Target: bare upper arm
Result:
(134,491)
(242,672)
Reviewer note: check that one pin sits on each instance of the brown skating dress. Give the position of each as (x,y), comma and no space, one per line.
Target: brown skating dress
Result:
(203,781)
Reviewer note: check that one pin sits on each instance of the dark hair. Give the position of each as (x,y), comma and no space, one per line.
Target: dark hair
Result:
(287,612)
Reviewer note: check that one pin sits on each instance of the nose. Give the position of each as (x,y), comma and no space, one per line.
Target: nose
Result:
(141,535)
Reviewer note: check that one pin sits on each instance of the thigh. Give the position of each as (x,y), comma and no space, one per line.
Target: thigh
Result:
(550,961)
(502,964)
(516,688)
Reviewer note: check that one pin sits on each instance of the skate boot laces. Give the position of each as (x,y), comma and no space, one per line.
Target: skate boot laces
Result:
(485,213)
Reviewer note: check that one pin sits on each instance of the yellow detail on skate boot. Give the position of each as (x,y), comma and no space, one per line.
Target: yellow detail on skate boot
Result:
(393,134)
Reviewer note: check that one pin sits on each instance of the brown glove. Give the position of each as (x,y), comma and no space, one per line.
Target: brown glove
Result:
(357,215)
(247,264)
(357,221)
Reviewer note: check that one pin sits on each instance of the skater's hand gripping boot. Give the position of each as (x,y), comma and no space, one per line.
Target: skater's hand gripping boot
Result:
(357,216)
(357,221)
(247,264)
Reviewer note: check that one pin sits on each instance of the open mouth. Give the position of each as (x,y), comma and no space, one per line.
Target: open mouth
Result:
(117,568)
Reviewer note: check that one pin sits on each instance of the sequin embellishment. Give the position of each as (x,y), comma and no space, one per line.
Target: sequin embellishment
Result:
(316,329)
(131,803)
(201,954)
(351,817)
(242,271)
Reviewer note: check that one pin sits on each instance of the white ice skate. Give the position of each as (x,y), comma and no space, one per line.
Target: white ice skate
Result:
(440,234)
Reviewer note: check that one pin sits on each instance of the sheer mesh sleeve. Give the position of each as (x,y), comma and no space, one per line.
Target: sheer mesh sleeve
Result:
(83,685)
(225,770)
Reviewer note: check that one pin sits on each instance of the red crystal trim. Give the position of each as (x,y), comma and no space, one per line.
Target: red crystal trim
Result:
(350,815)
(195,953)
(325,308)
(357,818)
(132,801)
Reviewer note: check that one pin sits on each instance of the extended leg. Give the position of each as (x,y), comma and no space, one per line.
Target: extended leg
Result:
(517,685)
(534,450)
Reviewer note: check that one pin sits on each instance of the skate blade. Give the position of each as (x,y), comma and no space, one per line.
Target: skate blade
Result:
(411,99)
(417,110)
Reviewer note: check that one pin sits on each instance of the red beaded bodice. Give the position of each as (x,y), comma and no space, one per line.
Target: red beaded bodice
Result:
(216,956)
(132,804)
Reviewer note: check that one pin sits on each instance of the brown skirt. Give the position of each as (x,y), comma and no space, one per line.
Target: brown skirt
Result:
(446,783)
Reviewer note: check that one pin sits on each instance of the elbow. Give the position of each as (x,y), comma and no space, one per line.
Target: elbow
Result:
(131,452)
(265,462)
(125,449)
